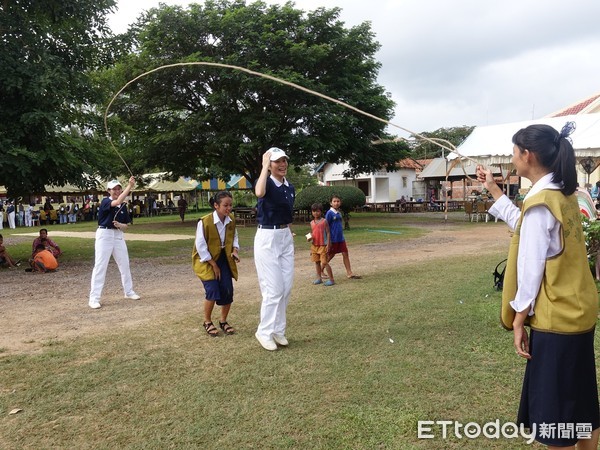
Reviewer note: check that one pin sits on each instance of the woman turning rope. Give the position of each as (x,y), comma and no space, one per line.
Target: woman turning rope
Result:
(549,287)
(113,220)
(274,247)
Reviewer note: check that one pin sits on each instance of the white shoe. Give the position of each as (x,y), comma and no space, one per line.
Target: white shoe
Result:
(94,304)
(133,296)
(268,344)
(280,339)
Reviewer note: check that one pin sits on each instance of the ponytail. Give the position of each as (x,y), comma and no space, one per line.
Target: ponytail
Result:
(564,167)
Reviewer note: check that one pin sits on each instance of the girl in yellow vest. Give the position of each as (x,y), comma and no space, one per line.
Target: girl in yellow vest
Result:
(548,286)
(214,259)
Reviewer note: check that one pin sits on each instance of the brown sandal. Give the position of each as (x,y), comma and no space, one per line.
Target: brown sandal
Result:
(227,329)
(211,329)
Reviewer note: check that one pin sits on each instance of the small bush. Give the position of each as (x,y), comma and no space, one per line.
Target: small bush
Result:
(351,196)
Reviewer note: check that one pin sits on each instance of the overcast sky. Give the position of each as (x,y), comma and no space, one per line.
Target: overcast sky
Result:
(467,62)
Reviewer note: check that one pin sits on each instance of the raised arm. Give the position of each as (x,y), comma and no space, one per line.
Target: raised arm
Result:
(261,184)
(121,198)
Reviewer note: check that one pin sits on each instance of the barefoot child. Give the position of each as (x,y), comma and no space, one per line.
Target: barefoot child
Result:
(214,259)
(338,243)
(320,244)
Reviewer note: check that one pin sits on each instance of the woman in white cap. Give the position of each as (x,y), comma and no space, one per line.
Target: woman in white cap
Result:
(274,247)
(112,221)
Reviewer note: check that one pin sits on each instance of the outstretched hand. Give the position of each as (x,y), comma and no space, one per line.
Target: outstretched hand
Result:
(485,176)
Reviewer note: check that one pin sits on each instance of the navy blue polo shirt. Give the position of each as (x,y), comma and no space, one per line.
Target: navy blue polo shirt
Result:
(277,205)
(107,213)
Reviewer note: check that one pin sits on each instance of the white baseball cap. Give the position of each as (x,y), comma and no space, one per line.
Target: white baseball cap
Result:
(112,184)
(277,153)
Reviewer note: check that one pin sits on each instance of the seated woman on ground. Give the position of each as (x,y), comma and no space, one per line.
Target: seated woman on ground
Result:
(5,258)
(48,244)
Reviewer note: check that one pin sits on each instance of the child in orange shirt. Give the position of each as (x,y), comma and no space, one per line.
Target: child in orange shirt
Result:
(43,260)
(320,244)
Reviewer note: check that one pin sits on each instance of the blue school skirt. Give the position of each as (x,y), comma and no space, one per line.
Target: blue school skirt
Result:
(560,393)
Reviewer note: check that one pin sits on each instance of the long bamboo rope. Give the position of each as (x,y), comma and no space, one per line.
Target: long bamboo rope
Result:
(436,141)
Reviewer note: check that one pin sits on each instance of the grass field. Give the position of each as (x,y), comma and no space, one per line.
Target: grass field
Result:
(418,343)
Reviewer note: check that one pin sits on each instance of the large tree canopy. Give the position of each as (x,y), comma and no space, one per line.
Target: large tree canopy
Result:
(188,119)
(427,149)
(47,48)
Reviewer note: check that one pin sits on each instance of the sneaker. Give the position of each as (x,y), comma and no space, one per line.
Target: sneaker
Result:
(267,344)
(94,304)
(133,296)
(329,283)
(280,340)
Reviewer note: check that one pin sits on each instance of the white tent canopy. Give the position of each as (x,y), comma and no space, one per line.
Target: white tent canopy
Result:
(438,169)
(491,145)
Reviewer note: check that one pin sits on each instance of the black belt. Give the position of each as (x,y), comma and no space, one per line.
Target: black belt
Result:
(102,227)
(273,227)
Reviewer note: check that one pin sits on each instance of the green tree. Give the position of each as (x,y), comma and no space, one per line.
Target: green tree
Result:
(301,177)
(425,149)
(185,118)
(47,48)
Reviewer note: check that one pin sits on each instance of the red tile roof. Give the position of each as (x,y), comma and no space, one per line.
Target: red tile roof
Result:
(409,163)
(576,108)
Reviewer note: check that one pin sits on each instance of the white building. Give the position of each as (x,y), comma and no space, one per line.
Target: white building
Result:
(381,186)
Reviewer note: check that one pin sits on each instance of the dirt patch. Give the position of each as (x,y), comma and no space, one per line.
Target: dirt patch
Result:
(39,308)
(130,236)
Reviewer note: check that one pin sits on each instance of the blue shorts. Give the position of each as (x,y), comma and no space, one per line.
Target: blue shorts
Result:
(220,291)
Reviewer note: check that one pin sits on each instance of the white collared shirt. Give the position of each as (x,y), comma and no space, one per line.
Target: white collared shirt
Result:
(279,183)
(202,246)
(540,240)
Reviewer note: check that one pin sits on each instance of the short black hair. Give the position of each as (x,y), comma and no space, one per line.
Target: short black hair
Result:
(316,207)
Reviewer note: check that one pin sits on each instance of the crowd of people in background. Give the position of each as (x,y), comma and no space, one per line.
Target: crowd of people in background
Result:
(18,214)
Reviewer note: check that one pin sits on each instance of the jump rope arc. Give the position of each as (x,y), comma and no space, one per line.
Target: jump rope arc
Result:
(439,142)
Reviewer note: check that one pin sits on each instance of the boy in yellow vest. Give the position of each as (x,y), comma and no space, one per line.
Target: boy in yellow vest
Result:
(214,260)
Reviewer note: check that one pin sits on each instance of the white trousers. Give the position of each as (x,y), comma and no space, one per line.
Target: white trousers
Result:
(274,260)
(110,242)
(11,220)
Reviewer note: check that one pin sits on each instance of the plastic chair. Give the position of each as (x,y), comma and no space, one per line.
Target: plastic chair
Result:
(482,211)
(488,205)
(469,211)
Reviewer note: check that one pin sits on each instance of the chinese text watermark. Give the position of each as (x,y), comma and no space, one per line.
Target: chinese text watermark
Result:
(430,429)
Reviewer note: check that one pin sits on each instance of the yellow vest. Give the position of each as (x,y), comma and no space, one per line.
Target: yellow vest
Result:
(567,301)
(204,270)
